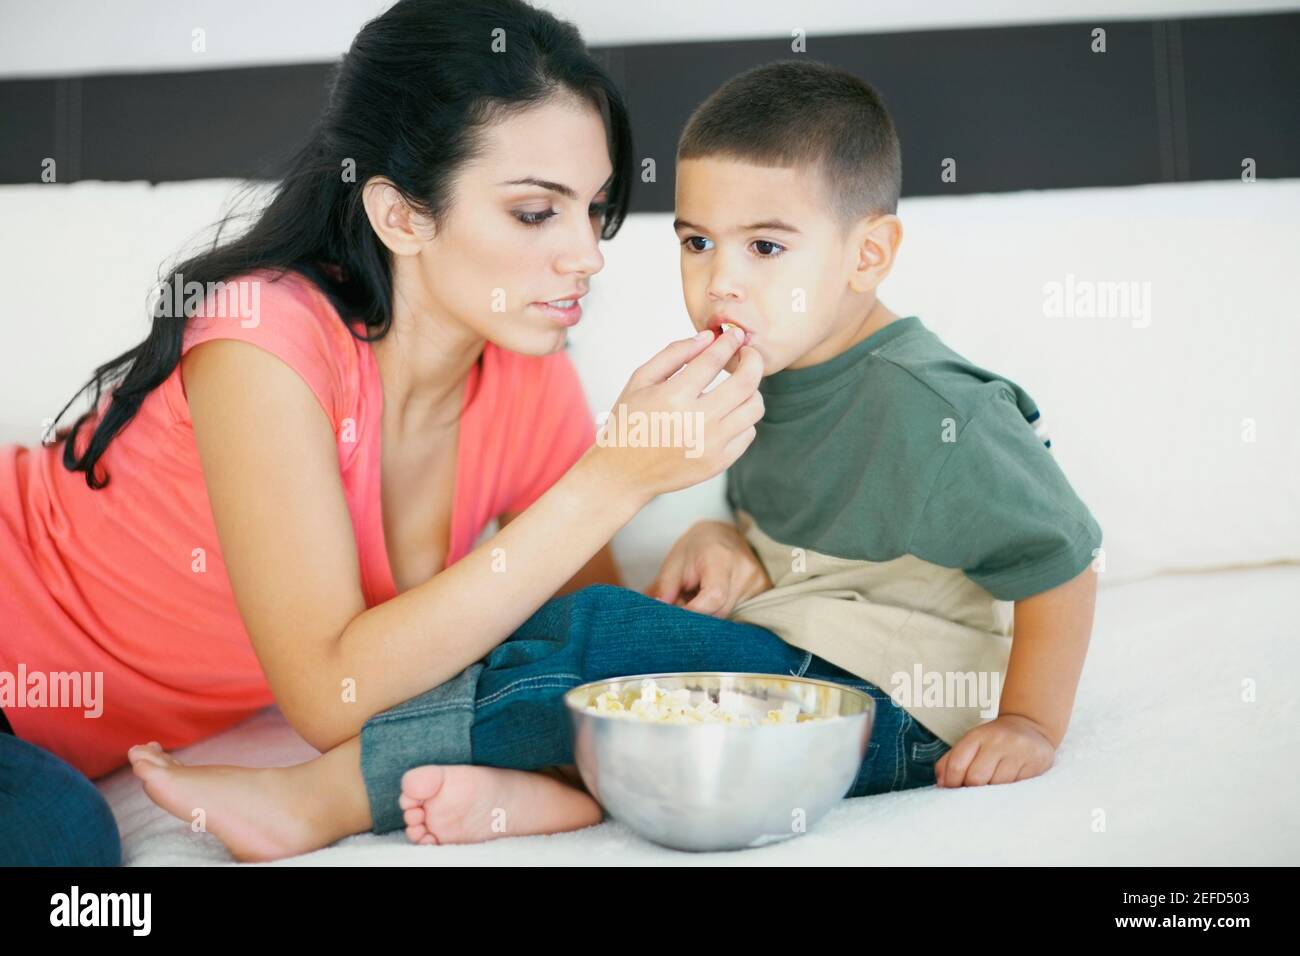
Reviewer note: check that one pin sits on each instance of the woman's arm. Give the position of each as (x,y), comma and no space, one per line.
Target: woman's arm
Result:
(601,569)
(290,552)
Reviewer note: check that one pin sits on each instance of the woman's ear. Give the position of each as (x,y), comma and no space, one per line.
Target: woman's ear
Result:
(876,239)
(397,225)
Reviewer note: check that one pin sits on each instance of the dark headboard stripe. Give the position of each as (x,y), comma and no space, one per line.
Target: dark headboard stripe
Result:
(1023,107)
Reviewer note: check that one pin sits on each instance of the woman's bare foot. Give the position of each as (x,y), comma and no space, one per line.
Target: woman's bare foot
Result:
(259,814)
(466,804)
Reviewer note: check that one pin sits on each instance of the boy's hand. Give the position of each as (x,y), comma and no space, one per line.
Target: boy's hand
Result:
(710,570)
(1004,750)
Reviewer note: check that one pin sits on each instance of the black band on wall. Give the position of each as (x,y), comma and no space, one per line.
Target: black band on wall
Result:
(1024,107)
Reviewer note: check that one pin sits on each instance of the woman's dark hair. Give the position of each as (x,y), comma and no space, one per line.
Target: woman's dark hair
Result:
(409,102)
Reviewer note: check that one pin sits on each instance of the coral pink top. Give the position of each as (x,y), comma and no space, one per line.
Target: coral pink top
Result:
(109,582)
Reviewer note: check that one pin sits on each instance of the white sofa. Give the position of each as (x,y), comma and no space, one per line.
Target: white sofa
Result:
(1175,420)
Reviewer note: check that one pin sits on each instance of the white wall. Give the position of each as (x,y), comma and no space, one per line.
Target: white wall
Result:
(72,37)
(1176,425)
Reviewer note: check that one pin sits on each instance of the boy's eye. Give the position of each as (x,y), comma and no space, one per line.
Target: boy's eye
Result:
(694,243)
(767,249)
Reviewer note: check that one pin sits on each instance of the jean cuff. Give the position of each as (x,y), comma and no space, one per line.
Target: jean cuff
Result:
(432,728)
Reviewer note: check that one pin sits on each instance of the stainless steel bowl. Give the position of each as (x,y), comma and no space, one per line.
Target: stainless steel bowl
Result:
(718,786)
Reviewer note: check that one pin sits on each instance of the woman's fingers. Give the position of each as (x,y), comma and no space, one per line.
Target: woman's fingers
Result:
(736,447)
(666,385)
(668,360)
(740,386)
(747,413)
(704,368)
(737,429)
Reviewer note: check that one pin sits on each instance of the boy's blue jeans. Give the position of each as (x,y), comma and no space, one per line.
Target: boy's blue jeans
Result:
(508,709)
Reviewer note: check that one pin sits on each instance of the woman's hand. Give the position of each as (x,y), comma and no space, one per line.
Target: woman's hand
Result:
(665,434)
(710,570)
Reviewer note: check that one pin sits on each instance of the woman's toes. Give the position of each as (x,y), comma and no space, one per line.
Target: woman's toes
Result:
(145,757)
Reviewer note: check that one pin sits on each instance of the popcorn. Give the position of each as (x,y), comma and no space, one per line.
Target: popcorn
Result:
(656,705)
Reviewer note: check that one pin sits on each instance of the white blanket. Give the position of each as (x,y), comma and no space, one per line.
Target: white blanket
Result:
(1167,762)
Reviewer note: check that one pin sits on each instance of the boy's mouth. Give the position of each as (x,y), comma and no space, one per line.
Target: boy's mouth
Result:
(721,325)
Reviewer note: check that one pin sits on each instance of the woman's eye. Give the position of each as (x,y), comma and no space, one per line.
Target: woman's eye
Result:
(768,249)
(529,218)
(691,243)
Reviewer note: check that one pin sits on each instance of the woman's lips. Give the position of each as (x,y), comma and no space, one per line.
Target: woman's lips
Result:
(565,312)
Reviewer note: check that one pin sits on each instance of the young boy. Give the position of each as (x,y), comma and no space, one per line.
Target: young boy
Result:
(897,496)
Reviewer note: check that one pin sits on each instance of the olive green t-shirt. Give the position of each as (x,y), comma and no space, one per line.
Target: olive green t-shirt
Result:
(901,446)
(900,498)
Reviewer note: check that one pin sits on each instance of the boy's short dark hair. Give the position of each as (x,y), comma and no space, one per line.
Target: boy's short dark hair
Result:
(804,113)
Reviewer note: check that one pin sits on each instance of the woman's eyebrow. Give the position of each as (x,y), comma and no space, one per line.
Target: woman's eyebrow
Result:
(547,185)
(560,188)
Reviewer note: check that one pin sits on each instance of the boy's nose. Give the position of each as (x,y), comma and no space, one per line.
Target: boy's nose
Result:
(724,288)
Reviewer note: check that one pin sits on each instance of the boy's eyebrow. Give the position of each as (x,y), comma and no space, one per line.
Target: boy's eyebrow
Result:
(767,225)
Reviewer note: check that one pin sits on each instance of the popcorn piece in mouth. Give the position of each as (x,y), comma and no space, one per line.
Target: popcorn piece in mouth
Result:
(653,704)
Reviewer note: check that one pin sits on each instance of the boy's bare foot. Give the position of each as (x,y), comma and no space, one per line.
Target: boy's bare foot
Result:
(466,804)
(259,814)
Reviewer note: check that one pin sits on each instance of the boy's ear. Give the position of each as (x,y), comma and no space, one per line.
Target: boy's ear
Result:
(876,240)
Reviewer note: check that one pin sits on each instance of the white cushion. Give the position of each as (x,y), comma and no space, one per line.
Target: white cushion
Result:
(1176,428)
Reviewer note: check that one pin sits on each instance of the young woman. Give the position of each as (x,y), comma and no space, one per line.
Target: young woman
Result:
(277,503)
(301,466)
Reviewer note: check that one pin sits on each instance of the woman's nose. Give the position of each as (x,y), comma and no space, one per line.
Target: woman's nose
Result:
(582,253)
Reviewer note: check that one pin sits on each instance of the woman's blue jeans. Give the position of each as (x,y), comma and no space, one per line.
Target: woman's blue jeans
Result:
(508,709)
(50,813)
